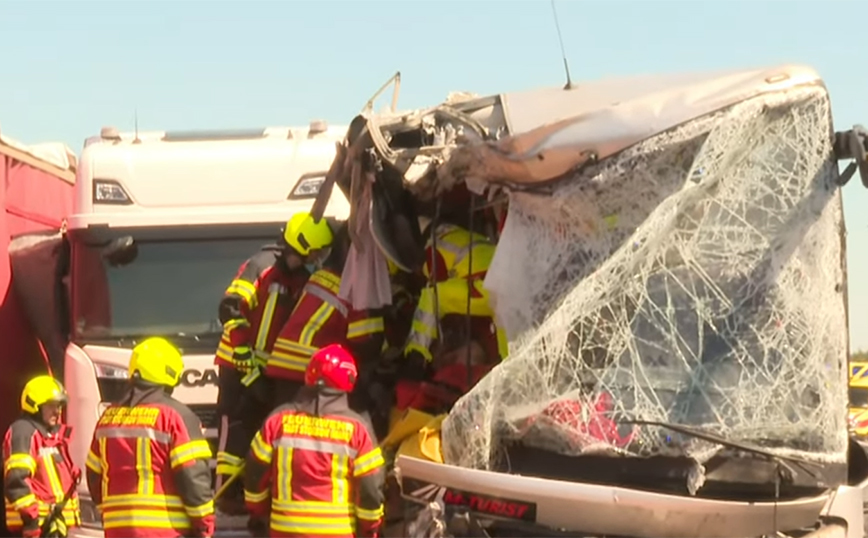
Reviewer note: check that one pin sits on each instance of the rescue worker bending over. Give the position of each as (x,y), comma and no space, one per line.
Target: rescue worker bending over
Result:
(37,467)
(321,318)
(314,468)
(454,279)
(254,308)
(147,468)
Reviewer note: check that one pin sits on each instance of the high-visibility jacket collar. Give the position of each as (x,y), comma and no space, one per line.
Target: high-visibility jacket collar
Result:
(453,245)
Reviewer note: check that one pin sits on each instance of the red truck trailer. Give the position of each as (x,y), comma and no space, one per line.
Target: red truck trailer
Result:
(36,189)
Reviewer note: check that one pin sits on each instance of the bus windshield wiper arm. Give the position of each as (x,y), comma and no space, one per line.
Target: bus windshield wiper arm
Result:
(803,464)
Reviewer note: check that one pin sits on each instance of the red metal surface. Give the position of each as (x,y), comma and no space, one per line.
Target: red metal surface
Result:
(30,200)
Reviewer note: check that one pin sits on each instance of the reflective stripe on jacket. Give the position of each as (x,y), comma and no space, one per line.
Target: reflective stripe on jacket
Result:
(38,471)
(316,475)
(256,304)
(450,297)
(321,318)
(147,469)
(455,281)
(452,259)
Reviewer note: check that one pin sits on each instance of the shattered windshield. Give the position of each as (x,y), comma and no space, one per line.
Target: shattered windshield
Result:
(699,303)
(171,287)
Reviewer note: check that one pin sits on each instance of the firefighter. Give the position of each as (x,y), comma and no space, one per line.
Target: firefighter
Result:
(397,319)
(399,315)
(147,468)
(448,265)
(254,308)
(321,318)
(314,468)
(37,466)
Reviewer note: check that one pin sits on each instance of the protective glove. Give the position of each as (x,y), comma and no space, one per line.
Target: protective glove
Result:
(58,528)
(31,527)
(243,358)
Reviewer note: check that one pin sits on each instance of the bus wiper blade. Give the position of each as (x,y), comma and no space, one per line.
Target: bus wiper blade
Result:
(184,337)
(205,334)
(803,464)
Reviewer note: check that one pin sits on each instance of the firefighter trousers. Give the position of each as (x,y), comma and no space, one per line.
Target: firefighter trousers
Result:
(242,409)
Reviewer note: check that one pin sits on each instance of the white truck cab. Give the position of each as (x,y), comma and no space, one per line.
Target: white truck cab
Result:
(161,223)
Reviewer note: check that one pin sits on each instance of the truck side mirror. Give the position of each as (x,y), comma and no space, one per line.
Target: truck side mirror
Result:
(120,251)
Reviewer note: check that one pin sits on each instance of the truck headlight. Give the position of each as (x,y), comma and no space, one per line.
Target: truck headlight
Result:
(109,191)
(308,186)
(110,371)
(111,380)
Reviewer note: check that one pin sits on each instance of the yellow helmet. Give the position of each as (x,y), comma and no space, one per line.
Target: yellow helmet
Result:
(304,235)
(157,361)
(41,390)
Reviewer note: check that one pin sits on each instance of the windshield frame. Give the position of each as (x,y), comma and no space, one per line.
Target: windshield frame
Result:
(259,234)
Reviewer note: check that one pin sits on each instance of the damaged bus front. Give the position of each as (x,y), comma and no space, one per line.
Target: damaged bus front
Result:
(671,277)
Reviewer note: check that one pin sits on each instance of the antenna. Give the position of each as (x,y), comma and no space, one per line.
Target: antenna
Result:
(136,120)
(569,85)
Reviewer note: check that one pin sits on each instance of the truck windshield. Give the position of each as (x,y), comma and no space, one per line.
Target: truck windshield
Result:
(172,287)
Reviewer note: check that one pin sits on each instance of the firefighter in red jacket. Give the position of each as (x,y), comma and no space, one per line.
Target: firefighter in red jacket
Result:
(314,467)
(321,318)
(254,308)
(147,468)
(37,467)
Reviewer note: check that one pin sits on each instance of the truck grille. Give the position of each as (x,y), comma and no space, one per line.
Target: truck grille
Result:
(210,420)
(207,414)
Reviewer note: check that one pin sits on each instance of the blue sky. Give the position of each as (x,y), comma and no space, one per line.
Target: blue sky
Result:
(70,67)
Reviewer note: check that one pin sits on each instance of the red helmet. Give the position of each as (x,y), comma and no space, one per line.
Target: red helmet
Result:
(332,366)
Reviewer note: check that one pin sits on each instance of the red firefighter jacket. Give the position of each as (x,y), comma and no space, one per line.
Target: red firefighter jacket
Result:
(448,384)
(38,471)
(256,305)
(321,318)
(315,467)
(147,469)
